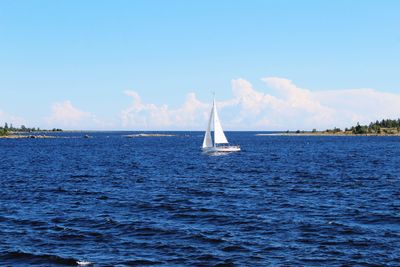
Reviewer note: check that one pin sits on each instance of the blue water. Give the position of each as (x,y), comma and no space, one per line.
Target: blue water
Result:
(111,200)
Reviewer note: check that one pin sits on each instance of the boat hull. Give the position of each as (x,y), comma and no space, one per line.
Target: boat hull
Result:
(221,149)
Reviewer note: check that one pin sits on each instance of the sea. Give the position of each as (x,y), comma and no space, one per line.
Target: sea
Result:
(110,200)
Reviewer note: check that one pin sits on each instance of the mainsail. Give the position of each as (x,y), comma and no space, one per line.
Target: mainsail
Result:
(219,136)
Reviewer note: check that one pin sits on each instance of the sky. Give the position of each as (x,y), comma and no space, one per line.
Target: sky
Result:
(154,65)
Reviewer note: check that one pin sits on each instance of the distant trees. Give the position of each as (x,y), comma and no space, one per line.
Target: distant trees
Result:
(359,129)
(334,130)
(387,126)
(384,126)
(6,129)
(387,123)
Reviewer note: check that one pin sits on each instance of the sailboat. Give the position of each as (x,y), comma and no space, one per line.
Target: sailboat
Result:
(220,143)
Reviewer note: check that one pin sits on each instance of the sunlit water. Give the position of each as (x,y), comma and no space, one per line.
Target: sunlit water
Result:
(112,200)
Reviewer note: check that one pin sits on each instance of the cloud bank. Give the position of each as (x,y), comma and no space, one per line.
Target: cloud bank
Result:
(281,105)
(65,115)
(144,116)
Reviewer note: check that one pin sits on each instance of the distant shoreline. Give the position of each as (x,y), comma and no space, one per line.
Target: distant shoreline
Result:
(13,135)
(51,134)
(19,136)
(325,134)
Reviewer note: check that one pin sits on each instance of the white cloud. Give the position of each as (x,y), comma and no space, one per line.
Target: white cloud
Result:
(250,100)
(295,97)
(282,106)
(360,105)
(296,107)
(65,115)
(328,108)
(140,115)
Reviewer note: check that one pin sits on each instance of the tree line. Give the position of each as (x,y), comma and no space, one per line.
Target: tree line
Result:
(7,128)
(384,126)
(377,127)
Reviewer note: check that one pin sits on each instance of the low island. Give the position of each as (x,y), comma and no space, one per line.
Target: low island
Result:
(9,131)
(386,127)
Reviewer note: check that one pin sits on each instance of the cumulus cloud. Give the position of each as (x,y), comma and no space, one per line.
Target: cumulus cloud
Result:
(281,105)
(295,97)
(290,106)
(65,115)
(251,101)
(140,115)
(360,105)
(301,108)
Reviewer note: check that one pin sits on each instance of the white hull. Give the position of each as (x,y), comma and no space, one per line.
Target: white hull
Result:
(221,149)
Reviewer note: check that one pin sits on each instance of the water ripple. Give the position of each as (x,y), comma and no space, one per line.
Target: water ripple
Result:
(282,201)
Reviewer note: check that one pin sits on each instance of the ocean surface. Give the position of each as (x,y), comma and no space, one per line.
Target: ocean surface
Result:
(283,201)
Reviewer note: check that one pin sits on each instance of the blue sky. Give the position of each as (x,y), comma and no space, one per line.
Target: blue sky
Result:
(119,64)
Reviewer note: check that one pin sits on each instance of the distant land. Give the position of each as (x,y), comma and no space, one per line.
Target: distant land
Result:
(9,131)
(386,127)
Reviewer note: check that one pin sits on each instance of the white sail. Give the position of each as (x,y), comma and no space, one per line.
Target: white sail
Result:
(207,142)
(219,136)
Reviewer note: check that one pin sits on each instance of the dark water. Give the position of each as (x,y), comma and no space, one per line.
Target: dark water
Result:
(110,200)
